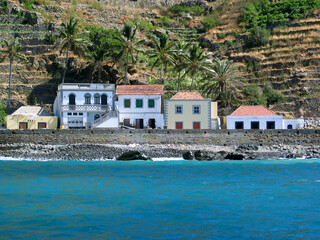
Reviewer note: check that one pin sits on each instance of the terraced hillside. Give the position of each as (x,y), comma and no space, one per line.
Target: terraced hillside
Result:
(290,61)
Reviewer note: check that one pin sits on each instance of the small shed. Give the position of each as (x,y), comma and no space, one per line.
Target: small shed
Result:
(31,117)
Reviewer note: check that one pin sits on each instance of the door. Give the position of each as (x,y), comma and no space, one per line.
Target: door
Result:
(152,123)
(23,125)
(179,125)
(196,125)
(42,125)
(139,123)
(126,122)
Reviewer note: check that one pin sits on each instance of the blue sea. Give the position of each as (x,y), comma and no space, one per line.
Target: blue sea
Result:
(160,200)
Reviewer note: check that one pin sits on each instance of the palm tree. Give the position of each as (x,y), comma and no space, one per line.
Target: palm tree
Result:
(163,52)
(181,48)
(129,47)
(196,61)
(98,58)
(12,51)
(223,80)
(70,39)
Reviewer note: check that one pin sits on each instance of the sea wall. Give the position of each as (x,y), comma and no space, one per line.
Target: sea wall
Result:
(189,137)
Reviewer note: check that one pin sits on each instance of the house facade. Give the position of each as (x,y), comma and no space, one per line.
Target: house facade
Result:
(260,117)
(31,117)
(189,110)
(140,106)
(86,105)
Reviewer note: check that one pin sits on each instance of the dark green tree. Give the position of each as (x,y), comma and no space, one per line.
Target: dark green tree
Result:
(129,47)
(196,61)
(12,52)
(163,53)
(71,38)
(181,49)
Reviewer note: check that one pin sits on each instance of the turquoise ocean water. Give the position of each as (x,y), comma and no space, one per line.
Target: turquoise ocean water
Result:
(160,200)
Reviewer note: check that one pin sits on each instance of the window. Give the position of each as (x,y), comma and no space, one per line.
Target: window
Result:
(42,125)
(87,98)
(151,103)
(179,125)
(289,126)
(196,109)
(69,114)
(97,116)
(126,122)
(139,103)
(97,98)
(72,99)
(271,125)
(255,125)
(179,109)
(196,125)
(127,103)
(80,114)
(104,99)
(75,114)
(238,125)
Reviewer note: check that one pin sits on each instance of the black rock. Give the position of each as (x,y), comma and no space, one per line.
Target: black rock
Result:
(132,155)
(234,156)
(187,155)
(247,147)
(202,156)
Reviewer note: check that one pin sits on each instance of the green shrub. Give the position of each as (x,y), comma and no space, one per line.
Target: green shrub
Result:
(268,13)
(257,37)
(194,10)
(3,113)
(28,4)
(197,10)
(210,21)
(254,95)
(272,95)
(94,4)
(165,21)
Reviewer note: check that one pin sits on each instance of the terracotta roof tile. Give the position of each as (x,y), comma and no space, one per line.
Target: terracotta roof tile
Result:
(187,96)
(253,111)
(139,90)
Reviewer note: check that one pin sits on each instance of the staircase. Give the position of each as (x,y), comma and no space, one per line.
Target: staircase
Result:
(107,116)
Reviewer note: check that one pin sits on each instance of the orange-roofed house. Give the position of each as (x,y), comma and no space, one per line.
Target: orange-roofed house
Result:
(140,106)
(189,110)
(260,117)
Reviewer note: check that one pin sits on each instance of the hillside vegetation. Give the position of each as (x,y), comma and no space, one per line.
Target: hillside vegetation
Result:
(273,45)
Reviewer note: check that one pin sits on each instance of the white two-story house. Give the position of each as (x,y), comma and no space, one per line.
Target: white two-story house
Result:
(86,105)
(140,106)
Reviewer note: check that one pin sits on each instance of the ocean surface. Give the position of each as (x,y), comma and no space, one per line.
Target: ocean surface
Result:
(160,200)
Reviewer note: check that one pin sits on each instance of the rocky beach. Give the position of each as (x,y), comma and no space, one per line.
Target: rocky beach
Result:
(192,145)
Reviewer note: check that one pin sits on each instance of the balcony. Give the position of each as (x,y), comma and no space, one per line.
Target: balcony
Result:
(85,108)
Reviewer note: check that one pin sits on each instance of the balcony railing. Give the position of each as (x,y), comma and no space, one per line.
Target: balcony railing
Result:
(86,108)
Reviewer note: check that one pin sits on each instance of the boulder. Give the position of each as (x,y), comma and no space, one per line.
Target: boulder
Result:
(132,155)
(247,147)
(202,156)
(187,155)
(235,156)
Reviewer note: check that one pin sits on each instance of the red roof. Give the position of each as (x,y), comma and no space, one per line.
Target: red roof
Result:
(253,111)
(140,90)
(187,96)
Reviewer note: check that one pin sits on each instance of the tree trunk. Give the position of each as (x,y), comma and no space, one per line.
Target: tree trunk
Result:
(99,73)
(125,80)
(193,77)
(161,73)
(10,76)
(66,66)
(179,80)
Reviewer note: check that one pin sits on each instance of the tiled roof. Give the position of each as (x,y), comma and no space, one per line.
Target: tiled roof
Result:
(187,96)
(27,111)
(140,90)
(253,111)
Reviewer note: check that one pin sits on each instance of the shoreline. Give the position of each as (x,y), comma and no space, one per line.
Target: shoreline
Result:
(102,152)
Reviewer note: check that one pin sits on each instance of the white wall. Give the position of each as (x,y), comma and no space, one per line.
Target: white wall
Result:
(296,123)
(144,113)
(248,119)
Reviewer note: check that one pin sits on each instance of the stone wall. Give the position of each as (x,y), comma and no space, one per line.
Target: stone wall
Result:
(188,137)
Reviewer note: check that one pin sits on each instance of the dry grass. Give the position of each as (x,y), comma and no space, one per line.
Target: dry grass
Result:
(295,36)
(296,29)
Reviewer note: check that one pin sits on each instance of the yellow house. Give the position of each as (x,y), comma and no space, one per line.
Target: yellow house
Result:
(189,110)
(31,117)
